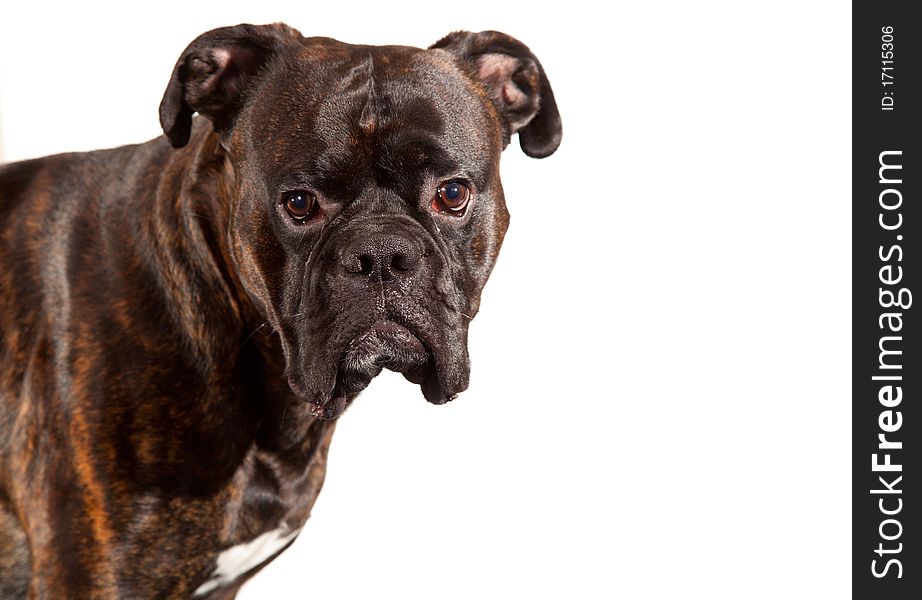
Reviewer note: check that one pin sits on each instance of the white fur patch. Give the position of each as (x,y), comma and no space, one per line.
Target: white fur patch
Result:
(235,561)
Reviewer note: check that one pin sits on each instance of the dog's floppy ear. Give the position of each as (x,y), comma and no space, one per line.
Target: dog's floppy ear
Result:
(214,75)
(517,84)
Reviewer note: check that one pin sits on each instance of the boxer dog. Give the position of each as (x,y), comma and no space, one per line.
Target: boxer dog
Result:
(182,321)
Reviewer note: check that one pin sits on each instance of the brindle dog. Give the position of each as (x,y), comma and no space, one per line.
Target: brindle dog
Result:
(182,321)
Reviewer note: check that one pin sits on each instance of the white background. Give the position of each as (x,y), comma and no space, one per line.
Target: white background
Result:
(660,398)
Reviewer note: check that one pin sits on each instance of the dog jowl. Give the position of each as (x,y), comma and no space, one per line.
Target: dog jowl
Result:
(183,321)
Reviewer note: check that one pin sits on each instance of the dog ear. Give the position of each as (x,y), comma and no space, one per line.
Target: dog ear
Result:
(517,84)
(214,75)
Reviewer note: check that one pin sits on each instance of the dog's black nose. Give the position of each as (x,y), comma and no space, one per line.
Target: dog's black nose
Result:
(385,255)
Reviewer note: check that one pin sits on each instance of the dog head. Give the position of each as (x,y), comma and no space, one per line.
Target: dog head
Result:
(366,206)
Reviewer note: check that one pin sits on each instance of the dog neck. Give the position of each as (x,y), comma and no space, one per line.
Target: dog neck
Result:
(214,337)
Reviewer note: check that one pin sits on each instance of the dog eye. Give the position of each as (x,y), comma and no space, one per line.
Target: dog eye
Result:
(453,197)
(300,204)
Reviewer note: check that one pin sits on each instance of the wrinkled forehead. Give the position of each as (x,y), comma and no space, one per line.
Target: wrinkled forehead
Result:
(342,114)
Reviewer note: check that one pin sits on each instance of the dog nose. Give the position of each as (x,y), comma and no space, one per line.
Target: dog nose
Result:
(387,256)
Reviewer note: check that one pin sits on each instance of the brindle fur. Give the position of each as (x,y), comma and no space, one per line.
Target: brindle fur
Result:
(169,339)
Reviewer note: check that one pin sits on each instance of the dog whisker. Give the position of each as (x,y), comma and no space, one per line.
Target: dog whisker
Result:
(284,412)
(249,337)
(296,318)
(303,235)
